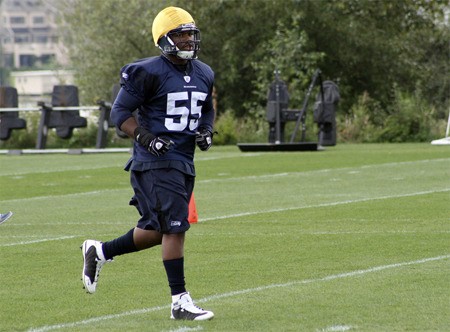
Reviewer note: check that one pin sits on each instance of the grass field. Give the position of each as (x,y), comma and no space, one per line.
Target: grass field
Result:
(353,238)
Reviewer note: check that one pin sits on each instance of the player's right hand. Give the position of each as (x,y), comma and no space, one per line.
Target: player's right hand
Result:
(157,146)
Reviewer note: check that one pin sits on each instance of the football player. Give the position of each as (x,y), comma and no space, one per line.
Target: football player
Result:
(173,95)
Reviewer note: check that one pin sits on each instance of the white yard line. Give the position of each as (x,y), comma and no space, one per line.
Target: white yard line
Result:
(120,165)
(241,292)
(93,167)
(250,213)
(336,328)
(86,193)
(243,214)
(36,241)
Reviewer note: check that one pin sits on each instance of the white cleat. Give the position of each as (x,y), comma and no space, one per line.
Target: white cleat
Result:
(5,216)
(185,309)
(93,262)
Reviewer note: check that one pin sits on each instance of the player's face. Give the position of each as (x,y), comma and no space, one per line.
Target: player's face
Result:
(183,40)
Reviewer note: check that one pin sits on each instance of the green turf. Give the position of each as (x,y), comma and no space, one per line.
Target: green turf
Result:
(353,238)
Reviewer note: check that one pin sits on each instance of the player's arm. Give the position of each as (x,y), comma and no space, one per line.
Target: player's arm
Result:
(122,116)
(122,112)
(204,135)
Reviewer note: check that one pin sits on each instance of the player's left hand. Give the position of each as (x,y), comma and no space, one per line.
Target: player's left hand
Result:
(203,138)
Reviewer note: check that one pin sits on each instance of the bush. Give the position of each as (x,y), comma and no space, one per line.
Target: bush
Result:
(409,119)
(232,130)
(357,126)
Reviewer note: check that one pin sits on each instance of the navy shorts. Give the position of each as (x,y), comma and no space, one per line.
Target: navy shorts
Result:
(162,199)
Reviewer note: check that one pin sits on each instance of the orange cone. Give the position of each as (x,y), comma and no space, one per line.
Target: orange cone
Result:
(193,216)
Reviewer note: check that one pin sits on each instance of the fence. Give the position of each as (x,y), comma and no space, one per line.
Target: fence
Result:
(62,115)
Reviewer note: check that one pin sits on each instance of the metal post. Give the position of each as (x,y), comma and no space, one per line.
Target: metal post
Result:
(301,116)
(277,109)
(43,126)
(103,124)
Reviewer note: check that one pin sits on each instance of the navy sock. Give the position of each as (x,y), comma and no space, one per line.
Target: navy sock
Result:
(175,275)
(122,245)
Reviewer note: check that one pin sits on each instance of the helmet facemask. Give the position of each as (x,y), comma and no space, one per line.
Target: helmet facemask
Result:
(168,46)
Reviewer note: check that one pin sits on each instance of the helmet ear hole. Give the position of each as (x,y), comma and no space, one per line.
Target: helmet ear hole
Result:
(166,45)
(169,47)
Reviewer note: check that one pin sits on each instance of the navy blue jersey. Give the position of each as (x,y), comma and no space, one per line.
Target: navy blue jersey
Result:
(172,102)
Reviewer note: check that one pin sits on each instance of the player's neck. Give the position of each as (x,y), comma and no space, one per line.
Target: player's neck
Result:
(176,61)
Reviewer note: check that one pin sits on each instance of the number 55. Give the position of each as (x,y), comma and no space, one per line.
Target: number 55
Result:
(182,113)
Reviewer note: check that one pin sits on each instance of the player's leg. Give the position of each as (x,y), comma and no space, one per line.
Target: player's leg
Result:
(144,236)
(96,253)
(176,192)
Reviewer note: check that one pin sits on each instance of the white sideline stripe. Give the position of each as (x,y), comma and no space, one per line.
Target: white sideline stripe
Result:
(87,193)
(91,167)
(252,177)
(251,213)
(186,329)
(237,215)
(37,241)
(336,328)
(241,292)
(320,171)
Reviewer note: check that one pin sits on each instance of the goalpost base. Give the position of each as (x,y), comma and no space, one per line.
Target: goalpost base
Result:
(446,139)
(442,141)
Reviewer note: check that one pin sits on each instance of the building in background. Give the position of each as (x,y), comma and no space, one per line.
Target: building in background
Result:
(29,41)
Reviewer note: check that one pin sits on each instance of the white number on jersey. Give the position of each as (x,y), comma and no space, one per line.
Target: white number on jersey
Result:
(183,112)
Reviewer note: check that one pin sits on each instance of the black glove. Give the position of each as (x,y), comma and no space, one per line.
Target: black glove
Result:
(203,138)
(155,145)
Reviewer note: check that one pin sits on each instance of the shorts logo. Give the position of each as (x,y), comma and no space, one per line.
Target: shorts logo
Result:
(175,223)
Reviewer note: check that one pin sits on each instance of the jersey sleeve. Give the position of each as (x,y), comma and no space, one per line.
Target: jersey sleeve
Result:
(123,107)
(133,78)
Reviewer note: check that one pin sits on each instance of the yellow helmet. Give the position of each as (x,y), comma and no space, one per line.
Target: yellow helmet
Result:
(173,20)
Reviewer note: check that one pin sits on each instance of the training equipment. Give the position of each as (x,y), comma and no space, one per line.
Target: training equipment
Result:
(203,138)
(93,262)
(185,309)
(277,115)
(4,217)
(9,120)
(193,215)
(325,112)
(174,20)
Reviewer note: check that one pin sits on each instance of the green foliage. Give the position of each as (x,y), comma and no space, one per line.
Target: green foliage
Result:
(102,36)
(358,125)
(226,126)
(232,130)
(295,65)
(373,45)
(376,47)
(410,119)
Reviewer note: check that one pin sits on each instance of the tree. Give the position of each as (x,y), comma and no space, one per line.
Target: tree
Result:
(102,36)
(373,45)
(366,46)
